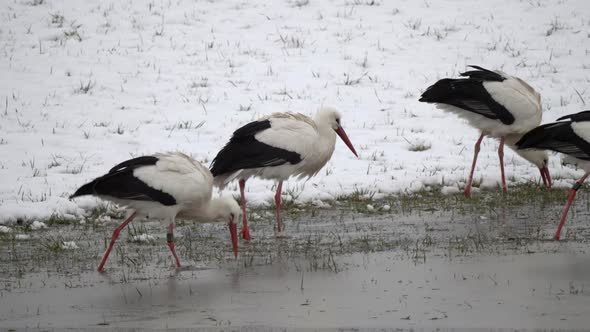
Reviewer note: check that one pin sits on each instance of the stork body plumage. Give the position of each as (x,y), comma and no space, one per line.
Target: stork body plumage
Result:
(499,105)
(572,138)
(162,186)
(278,147)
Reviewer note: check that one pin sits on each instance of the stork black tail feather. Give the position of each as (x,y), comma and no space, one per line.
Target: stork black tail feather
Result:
(449,89)
(439,92)
(87,189)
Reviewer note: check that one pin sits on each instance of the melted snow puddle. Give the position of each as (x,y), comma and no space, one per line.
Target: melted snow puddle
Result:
(438,269)
(375,290)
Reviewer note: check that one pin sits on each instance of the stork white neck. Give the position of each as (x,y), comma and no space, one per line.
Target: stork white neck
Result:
(537,157)
(217,209)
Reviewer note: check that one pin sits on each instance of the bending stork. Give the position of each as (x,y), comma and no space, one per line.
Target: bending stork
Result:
(163,186)
(497,104)
(571,138)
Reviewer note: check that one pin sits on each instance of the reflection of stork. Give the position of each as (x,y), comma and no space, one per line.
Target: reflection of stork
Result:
(277,147)
(162,186)
(497,104)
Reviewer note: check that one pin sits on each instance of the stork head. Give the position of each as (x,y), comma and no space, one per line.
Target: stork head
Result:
(540,159)
(229,210)
(331,117)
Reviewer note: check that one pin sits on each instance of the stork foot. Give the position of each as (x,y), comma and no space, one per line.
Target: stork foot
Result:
(172,245)
(185,268)
(282,235)
(467,192)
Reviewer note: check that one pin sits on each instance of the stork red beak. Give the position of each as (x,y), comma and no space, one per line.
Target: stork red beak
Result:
(233,231)
(345,139)
(545,176)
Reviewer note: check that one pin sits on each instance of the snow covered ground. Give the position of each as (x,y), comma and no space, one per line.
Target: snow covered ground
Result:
(87,84)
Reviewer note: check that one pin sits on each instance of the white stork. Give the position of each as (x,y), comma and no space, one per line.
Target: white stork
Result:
(497,104)
(277,147)
(571,138)
(163,186)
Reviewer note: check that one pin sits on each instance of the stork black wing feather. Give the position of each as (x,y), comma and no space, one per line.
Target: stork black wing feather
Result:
(559,137)
(122,184)
(467,94)
(244,151)
(250,130)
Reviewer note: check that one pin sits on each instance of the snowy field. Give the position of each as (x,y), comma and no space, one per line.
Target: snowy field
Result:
(87,84)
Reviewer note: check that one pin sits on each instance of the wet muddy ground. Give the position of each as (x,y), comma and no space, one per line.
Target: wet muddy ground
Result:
(417,262)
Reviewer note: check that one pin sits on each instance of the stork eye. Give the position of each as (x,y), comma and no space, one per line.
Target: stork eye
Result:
(338,121)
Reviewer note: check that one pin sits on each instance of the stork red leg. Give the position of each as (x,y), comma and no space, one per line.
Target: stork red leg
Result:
(475,153)
(501,156)
(245,230)
(113,239)
(278,205)
(570,199)
(171,245)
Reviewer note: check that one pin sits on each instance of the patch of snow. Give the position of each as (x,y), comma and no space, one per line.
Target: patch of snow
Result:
(4,229)
(22,237)
(378,196)
(104,219)
(144,92)
(69,245)
(12,210)
(370,208)
(143,238)
(36,225)
(320,204)
(386,207)
(447,190)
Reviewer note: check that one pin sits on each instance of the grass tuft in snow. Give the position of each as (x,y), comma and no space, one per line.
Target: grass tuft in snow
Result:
(57,19)
(359,195)
(418,145)
(414,24)
(363,3)
(57,219)
(84,88)
(349,80)
(300,3)
(554,26)
(73,32)
(292,41)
